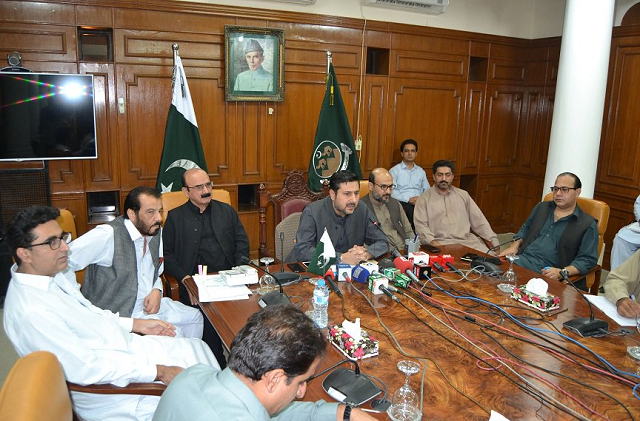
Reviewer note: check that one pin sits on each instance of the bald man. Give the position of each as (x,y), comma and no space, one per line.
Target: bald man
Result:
(388,211)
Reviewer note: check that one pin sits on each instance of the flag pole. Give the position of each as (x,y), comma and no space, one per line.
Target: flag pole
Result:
(328,60)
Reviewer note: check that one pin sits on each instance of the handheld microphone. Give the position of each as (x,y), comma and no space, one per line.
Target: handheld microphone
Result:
(584,326)
(388,293)
(272,298)
(394,252)
(328,276)
(438,267)
(406,267)
(454,269)
(360,274)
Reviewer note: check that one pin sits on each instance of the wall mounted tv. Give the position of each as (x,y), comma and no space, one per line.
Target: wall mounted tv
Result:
(46,116)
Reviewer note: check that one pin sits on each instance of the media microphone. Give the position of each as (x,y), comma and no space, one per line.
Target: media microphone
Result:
(585,326)
(438,267)
(328,276)
(271,298)
(406,267)
(394,252)
(388,293)
(454,269)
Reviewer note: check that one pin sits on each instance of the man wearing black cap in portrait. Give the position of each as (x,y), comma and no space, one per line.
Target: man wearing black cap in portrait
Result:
(256,78)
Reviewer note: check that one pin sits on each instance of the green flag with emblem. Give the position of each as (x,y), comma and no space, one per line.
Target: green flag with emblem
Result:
(323,256)
(333,148)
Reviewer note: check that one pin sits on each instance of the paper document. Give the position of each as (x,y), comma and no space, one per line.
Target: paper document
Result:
(214,288)
(610,310)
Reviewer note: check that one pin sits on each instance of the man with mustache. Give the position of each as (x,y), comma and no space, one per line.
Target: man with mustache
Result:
(389,212)
(203,231)
(445,214)
(124,262)
(350,227)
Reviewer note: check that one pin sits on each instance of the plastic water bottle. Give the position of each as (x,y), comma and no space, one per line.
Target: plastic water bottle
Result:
(320,304)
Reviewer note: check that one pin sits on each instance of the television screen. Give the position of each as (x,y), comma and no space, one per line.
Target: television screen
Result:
(46,116)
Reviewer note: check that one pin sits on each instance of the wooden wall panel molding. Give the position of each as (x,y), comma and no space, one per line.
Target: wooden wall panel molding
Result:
(66,175)
(433,44)
(531,127)
(249,149)
(505,71)
(469,158)
(429,112)
(37,12)
(94,16)
(377,149)
(502,126)
(76,204)
(306,56)
(170,21)
(619,167)
(495,199)
(39,42)
(428,66)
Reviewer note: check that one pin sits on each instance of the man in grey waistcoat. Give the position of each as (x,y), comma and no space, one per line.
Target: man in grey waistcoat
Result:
(124,261)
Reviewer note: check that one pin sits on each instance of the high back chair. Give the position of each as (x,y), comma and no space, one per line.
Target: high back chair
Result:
(600,212)
(364,188)
(68,224)
(35,390)
(287,228)
(293,198)
(171,200)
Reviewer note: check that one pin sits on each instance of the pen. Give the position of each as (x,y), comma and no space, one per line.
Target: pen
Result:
(416,238)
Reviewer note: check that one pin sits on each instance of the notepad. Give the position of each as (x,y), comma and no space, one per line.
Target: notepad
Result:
(214,288)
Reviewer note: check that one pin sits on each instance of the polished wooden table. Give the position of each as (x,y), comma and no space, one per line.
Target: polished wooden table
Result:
(423,336)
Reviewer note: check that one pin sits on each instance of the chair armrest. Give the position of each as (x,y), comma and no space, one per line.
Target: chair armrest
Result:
(152,389)
(592,279)
(171,287)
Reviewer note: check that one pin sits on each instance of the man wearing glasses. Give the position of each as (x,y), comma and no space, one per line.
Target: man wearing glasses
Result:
(44,310)
(409,177)
(388,211)
(203,231)
(558,239)
(124,262)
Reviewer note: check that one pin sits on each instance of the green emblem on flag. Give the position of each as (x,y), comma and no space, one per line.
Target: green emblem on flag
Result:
(324,255)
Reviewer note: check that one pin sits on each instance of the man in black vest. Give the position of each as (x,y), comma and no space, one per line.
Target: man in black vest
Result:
(388,211)
(558,238)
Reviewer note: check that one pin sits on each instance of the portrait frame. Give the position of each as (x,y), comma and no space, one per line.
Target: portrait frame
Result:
(243,83)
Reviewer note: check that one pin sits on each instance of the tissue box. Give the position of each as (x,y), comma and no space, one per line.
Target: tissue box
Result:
(540,302)
(364,348)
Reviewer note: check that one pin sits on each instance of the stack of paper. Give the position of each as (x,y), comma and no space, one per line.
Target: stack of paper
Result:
(214,288)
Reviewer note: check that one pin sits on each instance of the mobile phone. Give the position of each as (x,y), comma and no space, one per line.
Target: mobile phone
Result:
(469,257)
(431,249)
(296,267)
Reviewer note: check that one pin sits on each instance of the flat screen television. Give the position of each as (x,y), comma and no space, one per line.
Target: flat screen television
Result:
(47,116)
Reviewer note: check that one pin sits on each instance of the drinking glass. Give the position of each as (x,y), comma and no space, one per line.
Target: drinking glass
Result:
(404,404)
(267,283)
(509,278)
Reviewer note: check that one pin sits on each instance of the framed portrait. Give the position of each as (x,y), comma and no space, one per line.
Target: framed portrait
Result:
(254,69)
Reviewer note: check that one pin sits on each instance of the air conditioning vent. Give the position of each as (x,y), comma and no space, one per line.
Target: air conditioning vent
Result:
(432,7)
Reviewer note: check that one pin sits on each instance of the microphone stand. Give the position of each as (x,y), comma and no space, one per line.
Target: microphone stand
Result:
(394,252)
(585,326)
(272,298)
(283,277)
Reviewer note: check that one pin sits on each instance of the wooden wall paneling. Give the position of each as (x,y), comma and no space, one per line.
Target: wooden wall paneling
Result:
(526,192)
(506,71)
(37,13)
(95,16)
(494,197)
(377,149)
(502,125)
(619,167)
(431,113)
(103,173)
(412,64)
(473,119)
(429,43)
(250,221)
(172,21)
(532,125)
(47,43)
(254,136)
(76,204)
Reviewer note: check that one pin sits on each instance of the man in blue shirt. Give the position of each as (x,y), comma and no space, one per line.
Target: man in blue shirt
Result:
(558,239)
(410,179)
(272,358)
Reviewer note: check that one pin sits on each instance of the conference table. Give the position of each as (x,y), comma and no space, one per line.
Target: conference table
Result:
(475,361)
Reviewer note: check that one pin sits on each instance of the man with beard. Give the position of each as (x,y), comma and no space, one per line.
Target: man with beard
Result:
(203,231)
(448,215)
(558,239)
(124,262)
(350,227)
(389,212)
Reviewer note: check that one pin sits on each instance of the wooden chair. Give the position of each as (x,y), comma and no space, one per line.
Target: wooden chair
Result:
(35,389)
(600,212)
(293,197)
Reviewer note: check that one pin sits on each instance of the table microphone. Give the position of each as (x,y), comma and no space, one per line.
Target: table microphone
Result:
(487,258)
(329,276)
(394,252)
(282,276)
(454,269)
(406,267)
(271,298)
(585,326)
(388,293)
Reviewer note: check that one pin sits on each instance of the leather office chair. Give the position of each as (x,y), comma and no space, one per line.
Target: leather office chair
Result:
(600,212)
(68,223)
(35,390)
(171,200)
(293,197)
(364,188)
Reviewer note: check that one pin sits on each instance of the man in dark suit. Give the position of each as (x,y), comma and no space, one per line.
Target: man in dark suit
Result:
(202,231)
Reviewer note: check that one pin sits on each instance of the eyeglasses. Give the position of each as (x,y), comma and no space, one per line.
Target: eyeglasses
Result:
(386,186)
(564,190)
(54,242)
(201,187)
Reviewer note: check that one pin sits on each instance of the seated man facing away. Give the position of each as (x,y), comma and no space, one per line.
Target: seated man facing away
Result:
(44,310)
(558,239)
(446,214)
(124,263)
(388,211)
(271,359)
(410,179)
(203,231)
(622,286)
(349,226)
(627,240)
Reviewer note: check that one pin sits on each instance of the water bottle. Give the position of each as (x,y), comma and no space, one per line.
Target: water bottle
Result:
(320,304)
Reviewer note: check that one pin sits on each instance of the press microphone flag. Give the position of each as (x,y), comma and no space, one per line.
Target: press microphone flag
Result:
(324,256)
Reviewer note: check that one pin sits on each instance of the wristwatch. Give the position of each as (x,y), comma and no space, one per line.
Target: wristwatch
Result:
(347,412)
(564,273)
